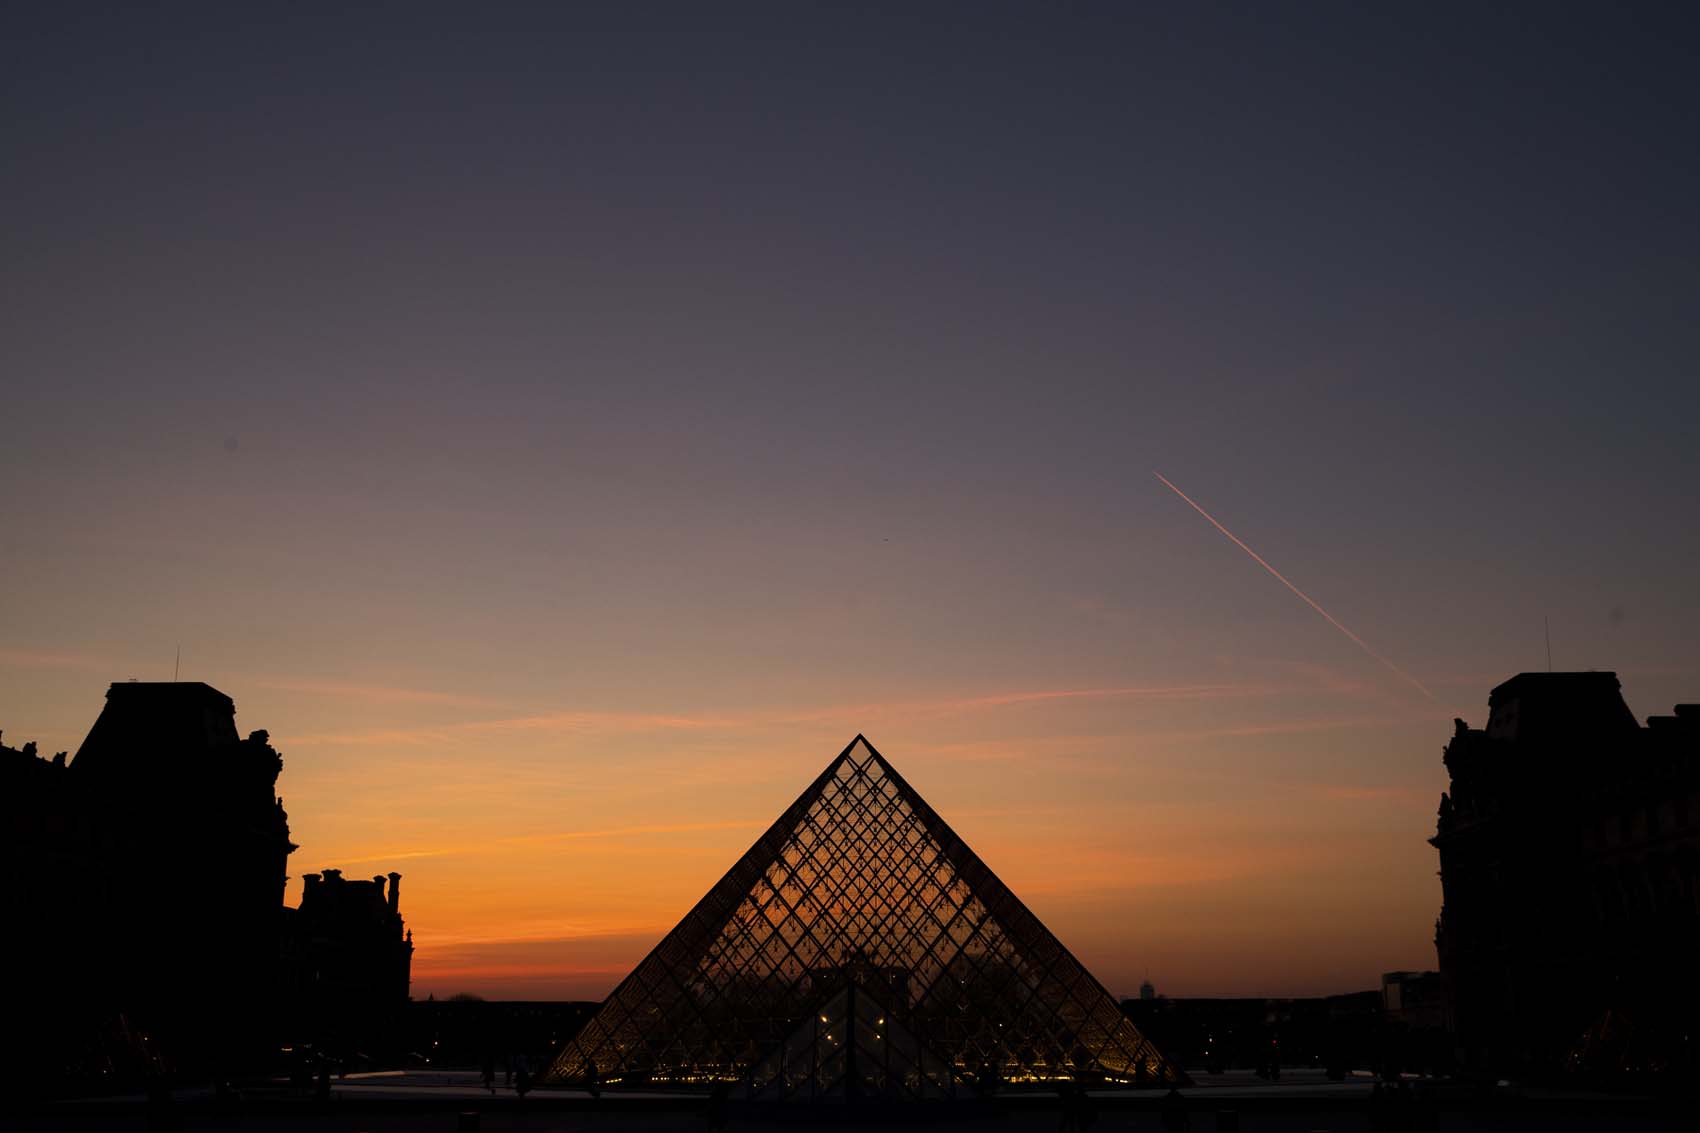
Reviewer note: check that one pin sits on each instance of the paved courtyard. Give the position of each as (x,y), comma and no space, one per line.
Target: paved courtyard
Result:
(455,1102)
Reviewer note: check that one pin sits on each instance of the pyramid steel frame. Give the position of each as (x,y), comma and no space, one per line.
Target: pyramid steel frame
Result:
(860,948)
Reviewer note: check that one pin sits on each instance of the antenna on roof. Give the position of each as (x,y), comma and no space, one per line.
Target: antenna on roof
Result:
(178,664)
(1546,624)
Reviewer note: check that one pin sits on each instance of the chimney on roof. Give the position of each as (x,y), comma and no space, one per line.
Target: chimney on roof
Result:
(395,892)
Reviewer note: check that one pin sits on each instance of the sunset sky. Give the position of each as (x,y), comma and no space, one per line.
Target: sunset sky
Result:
(565,427)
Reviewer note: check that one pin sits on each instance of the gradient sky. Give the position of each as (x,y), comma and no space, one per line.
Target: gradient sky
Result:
(564,427)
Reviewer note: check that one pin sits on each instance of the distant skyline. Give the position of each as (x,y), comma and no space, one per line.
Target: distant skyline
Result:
(564,428)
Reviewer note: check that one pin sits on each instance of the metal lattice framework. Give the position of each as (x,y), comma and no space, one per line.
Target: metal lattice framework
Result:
(860,948)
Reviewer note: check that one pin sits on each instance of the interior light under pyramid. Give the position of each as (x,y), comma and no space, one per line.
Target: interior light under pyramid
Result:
(860,948)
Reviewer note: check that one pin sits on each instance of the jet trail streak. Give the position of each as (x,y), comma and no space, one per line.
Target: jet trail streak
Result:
(1308,600)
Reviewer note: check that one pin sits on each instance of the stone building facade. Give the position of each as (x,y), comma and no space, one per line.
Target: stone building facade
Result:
(1569,848)
(156,858)
(348,959)
(146,898)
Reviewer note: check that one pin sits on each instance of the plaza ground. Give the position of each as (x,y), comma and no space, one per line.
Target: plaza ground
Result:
(1304,1101)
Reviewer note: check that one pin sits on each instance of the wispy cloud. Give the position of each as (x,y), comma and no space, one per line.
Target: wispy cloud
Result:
(856,716)
(1016,697)
(478,974)
(1013,750)
(632,831)
(564,964)
(1342,792)
(614,722)
(1099,610)
(37,659)
(553,723)
(379,694)
(496,844)
(353,690)
(1140,692)
(1275,727)
(1312,679)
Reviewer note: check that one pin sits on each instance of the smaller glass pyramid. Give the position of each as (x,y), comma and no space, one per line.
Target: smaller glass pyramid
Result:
(860,949)
(855,1046)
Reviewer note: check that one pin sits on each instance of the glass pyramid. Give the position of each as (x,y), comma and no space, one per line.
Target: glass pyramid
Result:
(860,948)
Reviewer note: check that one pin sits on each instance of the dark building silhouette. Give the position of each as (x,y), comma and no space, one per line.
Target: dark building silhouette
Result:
(1363,1031)
(1570,867)
(154,864)
(348,957)
(1248,1033)
(1416,1000)
(146,883)
(468,1031)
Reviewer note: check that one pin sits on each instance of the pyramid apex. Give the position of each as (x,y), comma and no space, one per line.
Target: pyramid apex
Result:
(858,740)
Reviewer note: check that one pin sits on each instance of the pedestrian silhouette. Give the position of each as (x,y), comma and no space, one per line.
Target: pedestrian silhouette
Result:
(1176,1118)
(714,1114)
(522,1076)
(1077,1113)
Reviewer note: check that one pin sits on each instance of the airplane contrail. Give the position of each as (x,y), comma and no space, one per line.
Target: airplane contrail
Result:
(1308,600)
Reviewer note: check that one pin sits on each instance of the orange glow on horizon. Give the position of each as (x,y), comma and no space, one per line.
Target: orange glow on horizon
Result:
(1108,840)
